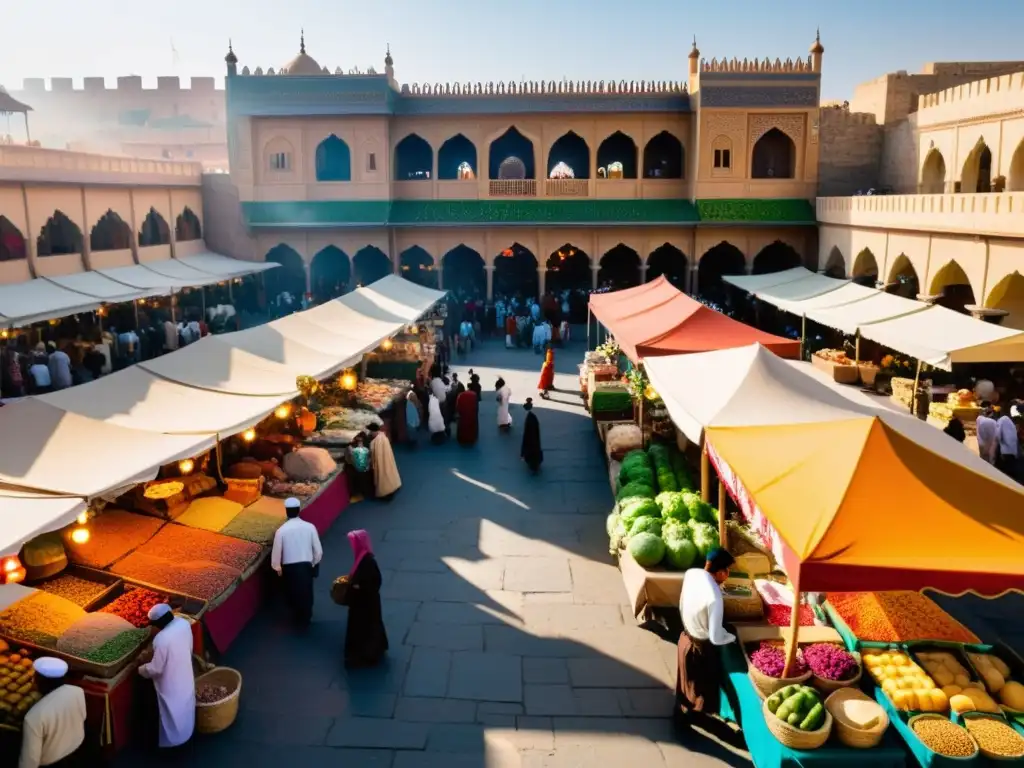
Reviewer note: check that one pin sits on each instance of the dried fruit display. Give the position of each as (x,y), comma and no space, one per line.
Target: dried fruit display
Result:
(180,544)
(114,534)
(378,394)
(198,578)
(133,606)
(211,694)
(164,490)
(285,489)
(340,417)
(781,615)
(39,619)
(893,617)
(78,590)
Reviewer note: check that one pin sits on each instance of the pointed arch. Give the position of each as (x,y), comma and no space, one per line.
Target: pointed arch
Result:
(333,160)
(290,277)
(776,257)
(933,173)
(155,230)
(774,156)
(463,269)
(330,273)
(12,242)
(953,287)
(110,233)
(835,266)
(453,157)
(59,236)
(1015,181)
(511,153)
(1008,295)
(722,259)
(370,264)
(669,261)
(567,269)
(515,272)
(417,266)
(571,150)
(976,175)
(187,226)
(865,269)
(620,268)
(664,157)
(414,159)
(903,280)
(618,149)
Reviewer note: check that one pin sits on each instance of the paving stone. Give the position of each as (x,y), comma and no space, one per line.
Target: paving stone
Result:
(562,618)
(422,710)
(547,598)
(486,676)
(447,637)
(428,673)
(537,574)
(549,700)
(373,733)
(504,639)
(608,673)
(273,728)
(545,671)
(456,613)
(456,738)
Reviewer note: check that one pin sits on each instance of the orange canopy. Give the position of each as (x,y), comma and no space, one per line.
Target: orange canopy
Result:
(858,505)
(657,319)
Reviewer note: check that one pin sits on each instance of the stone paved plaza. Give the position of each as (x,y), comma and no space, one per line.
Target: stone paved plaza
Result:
(511,641)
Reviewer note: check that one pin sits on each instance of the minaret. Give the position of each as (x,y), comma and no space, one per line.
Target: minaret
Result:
(694,66)
(389,65)
(816,51)
(232,61)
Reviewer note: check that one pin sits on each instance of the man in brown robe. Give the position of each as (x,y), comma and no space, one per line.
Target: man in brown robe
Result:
(386,479)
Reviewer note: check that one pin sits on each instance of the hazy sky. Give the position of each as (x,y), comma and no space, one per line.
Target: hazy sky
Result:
(467,40)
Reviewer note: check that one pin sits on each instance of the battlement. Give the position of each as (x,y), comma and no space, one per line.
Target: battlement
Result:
(838,113)
(534,88)
(764,66)
(338,72)
(978,89)
(128,84)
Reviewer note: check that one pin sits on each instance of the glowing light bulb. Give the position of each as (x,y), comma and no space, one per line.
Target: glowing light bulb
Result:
(249,435)
(283,411)
(185,466)
(387,344)
(11,564)
(83,518)
(4,334)
(80,535)
(348,381)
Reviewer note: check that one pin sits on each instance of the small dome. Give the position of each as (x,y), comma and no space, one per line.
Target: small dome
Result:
(694,53)
(817,47)
(388,61)
(231,58)
(303,64)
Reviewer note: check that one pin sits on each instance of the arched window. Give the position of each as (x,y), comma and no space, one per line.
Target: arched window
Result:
(290,277)
(110,234)
(59,236)
(569,151)
(776,257)
(511,146)
(370,264)
(417,266)
(619,268)
(456,159)
(933,174)
(977,172)
(669,261)
(414,159)
(723,259)
(187,227)
(12,242)
(663,157)
(329,273)
(463,269)
(618,150)
(774,157)
(333,160)
(155,230)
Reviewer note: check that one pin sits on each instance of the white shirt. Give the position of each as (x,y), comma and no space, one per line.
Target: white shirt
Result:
(171,673)
(702,609)
(438,389)
(295,542)
(170,335)
(1007,431)
(988,437)
(53,728)
(40,374)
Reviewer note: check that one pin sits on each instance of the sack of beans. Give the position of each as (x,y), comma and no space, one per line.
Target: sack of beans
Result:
(308,463)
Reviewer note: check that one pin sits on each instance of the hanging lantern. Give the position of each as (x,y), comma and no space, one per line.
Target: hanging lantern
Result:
(650,393)
(80,535)
(102,311)
(283,411)
(83,518)
(185,466)
(348,381)
(13,571)
(387,344)
(4,334)
(249,435)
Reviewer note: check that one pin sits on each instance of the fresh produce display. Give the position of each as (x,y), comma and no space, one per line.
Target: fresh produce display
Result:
(636,462)
(945,669)
(663,472)
(995,737)
(114,534)
(79,591)
(993,671)
(908,686)
(675,529)
(378,394)
(17,685)
(700,511)
(782,615)
(770,660)
(944,737)
(117,647)
(672,505)
(972,699)
(799,705)
(682,472)
(854,709)
(680,553)
(645,524)
(178,543)
(1012,696)
(647,549)
(611,400)
(705,537)
(43,557)
(894,617)
(39,619)
(284,489)
(198,578)
(207,693)
(95,632)
(635,489)
(830,662)
(633,507)
(133,606)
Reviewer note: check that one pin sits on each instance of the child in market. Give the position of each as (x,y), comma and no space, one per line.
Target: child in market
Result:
(358,460)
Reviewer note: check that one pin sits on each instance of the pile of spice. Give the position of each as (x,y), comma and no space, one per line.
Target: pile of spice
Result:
(100,637)
(781,615)
(944,737)
(39,619)
(210,513)
(894,617)
(74,588)
(180,544)
(198,578)
(211,694)
(115,533)
(252,525)
(133,606)
(996,737)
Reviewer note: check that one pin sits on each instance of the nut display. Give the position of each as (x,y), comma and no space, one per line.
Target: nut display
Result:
(78,590)
(211,694)
(180,544)
(995,736)
(133,606)
(17,685)
(944,737)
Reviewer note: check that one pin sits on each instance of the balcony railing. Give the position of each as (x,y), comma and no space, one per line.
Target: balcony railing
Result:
(567,187)
(996,213)
(513,188)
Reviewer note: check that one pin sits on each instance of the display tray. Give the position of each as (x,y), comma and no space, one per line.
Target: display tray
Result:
(190,606)
(110,582)
(79,664)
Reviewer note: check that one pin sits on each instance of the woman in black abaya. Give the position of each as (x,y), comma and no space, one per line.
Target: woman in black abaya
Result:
(366,640)
(531,451)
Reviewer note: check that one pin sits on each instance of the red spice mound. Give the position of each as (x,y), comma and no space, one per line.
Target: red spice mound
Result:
(781,615)
(893,617)
(133,606)
(188,575)
(115,533)
(181,544)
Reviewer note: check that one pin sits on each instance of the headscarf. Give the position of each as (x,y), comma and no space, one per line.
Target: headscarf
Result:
(360,543)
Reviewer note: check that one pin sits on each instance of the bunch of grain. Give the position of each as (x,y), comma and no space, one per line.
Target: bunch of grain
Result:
(944,737)
(90,632)
(115,533)
(179,543)
(40,618)
(188,576)
(894,617)
(79,591)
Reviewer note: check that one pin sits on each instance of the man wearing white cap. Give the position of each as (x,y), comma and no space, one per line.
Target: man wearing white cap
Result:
(170,669)
(54,729)
(295,557)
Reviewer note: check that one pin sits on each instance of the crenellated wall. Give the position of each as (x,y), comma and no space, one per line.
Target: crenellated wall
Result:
(851,151)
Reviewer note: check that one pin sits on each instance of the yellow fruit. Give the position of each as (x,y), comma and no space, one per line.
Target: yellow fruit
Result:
(892,671)
(890,686)
(924,700)
(962,680)
(885,659)
(900,699)
(942,676)
(952,690)
(871,659)
(993,680)
(961,703)
(995,661)
(1012,695)
(899,660)
(940,701)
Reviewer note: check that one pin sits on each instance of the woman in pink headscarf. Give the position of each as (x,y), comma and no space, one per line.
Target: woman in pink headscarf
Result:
(366,640)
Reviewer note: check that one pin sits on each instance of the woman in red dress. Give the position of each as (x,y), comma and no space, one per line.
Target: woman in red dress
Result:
(467,407)
(547,374)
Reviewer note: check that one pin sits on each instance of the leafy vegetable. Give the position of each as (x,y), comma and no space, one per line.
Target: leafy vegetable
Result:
(611,523)
(705,537)
(635,489)
(672,506)
(675,529)
(645,524)
(647,549)
(680,553)
(636,509)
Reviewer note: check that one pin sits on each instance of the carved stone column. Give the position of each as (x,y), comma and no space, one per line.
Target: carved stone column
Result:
(489,269)
(595,269)
(542,275)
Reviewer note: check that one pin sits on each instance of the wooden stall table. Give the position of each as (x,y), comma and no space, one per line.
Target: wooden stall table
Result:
(648,589)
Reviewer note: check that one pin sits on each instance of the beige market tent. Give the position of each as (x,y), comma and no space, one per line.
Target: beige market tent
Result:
(35,301)
(223,266)
(143,278)
(267,343)
(25,515)
(788,285)
(97,286)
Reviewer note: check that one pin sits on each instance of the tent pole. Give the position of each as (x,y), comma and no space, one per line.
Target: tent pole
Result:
(803,334)
(794,628)
(174,314)
(722,528)
(202,297)
(588,327)
(135,305)
(705,473)
(913,395)
(856,348)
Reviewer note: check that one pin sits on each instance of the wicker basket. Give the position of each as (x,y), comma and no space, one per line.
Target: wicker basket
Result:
(792,737)
(218,716)
(830,686)
(858,738)
(741,600)
(766,686)
(990,755)
(915,718)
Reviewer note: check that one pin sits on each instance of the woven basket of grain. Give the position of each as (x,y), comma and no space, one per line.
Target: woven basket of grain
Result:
(217,716)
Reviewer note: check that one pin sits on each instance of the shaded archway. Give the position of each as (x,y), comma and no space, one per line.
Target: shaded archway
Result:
(515,273)
(333,160)
(414,159)
(723,259)
(330,273)
(567,269)
(456,159)
(110,233)
(663,157)
(620,268)
(187,226)
(903,280)
(511,146)
(953,287)
(572,151)
(865,269)
(774,156)
(669,261)
(369,265)
(155,230)
(462,271)
(290,277)
(417,266)
(59,235)
(933,174)
(776,257)
(618,150)
(1015,182)
(12,242)
(976,176)
(835,267)
(1008,295)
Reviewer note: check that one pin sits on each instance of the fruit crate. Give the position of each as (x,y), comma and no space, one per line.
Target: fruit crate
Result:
(841,374)
(78,664)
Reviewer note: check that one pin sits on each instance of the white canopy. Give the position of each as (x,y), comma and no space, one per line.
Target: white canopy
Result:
(48,449)
(179,270)
(267,343)
(25,515)
(875,307)
(789,285)
(225,267)
(141,277)
(756,283)
(344,343)
(97,286)
(34,301)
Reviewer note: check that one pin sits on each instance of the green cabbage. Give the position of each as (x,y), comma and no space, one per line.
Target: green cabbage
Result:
(666,480)
(705,537)
(700,511)
(635,489)
(638,508)
(672,506)
(645,524)
(680,554)
(681,471)
(675,529)
(611,523)
(642,475)
(647,549)
(632,461)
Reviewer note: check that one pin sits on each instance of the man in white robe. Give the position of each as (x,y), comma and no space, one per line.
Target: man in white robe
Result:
(53,733)
(170,669)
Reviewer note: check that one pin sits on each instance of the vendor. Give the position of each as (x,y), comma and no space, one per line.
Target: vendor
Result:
(53,732)
(700,668)
(170,669)
(296,556)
